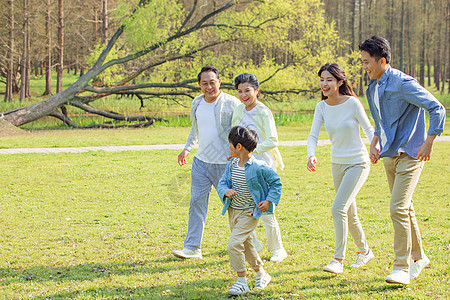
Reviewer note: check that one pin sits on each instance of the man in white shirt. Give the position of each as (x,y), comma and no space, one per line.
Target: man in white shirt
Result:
(211,115)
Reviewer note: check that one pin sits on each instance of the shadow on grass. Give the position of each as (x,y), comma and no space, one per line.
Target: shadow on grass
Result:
(201,289)
(92,271)
(317,287)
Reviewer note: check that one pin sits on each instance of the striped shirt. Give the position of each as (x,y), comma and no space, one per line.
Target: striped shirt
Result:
(243,199)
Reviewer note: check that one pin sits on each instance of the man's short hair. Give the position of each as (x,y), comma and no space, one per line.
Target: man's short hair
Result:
(377,47)
(248,138)
(208,69)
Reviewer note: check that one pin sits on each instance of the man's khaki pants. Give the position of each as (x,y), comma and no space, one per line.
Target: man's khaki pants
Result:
(403,173)
(240,245)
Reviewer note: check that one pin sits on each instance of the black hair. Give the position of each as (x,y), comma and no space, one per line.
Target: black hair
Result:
(247,78)
(208,69)
(248,138)
(338,73)
(377,47)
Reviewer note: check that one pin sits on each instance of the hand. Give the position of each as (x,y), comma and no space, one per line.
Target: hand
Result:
(425,150)
(182,157)
(263,206)
(312,161)
(374,150)
(230,193)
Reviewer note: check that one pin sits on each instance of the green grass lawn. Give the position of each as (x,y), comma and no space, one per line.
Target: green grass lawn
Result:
(101,225)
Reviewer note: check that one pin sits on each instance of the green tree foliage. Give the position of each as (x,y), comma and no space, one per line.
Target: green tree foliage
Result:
(160,46)
(285,40)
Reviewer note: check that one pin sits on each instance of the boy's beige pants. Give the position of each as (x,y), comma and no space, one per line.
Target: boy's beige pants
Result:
(240,245)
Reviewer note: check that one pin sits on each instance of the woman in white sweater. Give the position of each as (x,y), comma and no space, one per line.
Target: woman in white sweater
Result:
(343,114)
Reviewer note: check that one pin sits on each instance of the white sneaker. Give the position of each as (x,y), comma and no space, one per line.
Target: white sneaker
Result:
(262,280)
(398,277)
(238,288)
(416,267)
(187,253)
(278,255)
(362,259)
(334,267)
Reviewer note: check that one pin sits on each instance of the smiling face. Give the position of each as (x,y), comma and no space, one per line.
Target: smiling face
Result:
(329,84)
(374,68)
(248,95)
(210,86)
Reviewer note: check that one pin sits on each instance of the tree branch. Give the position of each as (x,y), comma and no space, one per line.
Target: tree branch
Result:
(177,35)
(65,119)
(189,16)
(167,59)
(282,68)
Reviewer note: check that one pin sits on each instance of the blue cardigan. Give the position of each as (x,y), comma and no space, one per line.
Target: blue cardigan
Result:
(263,184)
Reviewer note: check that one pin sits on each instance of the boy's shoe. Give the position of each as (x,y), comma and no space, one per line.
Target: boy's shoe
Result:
(187,253)
(362,259)
(238,288)
(334,267)
(398,277)
(262,280)
(278,255)
(416,267)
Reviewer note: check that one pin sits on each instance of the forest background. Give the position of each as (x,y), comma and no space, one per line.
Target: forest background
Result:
(154,52)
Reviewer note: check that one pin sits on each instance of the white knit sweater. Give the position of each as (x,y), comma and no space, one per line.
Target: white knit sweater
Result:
(342,124)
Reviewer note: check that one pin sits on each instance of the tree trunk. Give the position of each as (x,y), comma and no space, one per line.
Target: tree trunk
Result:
(444,66)
(360,37)
(48,66)
(423,46)
(448,48)
(25,57)
(402,37)
(9,78)
(60,64)
(104,20)
(391,37)
(437,58)
(411,69)
(353,25)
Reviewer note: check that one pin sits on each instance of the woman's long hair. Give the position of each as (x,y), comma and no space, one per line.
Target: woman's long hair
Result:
(339,74)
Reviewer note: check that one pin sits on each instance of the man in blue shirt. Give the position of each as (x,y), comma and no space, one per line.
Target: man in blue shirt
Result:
(398,103)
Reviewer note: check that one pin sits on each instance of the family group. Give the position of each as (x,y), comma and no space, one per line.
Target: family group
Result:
(238,155)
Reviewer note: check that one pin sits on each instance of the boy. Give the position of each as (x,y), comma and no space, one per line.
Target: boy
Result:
(398,103)
(247,188)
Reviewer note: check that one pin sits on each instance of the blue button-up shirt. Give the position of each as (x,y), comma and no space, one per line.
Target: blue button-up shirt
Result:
(403,102)
(263,184)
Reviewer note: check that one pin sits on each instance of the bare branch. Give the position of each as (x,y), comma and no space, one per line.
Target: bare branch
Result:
(64,118)
(176,36)
(283,67)
(167,59)
(189,16)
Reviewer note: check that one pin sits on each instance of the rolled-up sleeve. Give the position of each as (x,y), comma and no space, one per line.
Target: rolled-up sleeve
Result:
(417,95)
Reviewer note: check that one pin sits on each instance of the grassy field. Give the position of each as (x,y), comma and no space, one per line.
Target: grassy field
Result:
(101,225)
